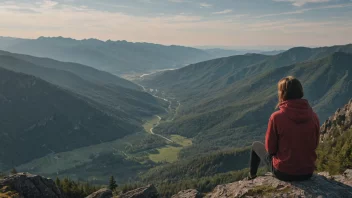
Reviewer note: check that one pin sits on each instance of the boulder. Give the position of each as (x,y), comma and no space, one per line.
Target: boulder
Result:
(29,186)
(144,192)
(188,194)
(268,186)
(102,193)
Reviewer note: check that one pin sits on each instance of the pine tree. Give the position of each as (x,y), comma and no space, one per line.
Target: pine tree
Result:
(82,192)
(13,171)
(58,182)
(112,183)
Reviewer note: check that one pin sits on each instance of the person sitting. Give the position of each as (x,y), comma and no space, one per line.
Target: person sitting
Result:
(292,136)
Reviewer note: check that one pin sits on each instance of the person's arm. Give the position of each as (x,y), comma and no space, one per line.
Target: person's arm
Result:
(271,140)
(317,123)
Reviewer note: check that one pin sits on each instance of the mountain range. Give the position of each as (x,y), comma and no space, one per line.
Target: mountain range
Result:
(218,52)
(117,57)
(226,102)
(50,107)
(115,94)
(74,117)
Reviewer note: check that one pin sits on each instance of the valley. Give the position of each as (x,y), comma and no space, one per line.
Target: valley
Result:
(226,101)
(123,103)
(178,114)
(81,163)
(188,126)
(155,123)
(175,143)
(40,117)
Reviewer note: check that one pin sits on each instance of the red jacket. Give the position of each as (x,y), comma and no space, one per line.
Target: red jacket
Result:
(292,137)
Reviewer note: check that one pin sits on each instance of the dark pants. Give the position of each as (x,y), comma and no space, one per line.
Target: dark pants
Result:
(259,154)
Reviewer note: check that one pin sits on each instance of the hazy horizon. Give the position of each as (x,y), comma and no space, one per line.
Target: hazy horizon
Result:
(203,47)
(184,22)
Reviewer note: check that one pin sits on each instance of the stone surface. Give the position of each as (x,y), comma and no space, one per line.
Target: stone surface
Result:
(268,186)
(144,192)
(188,194)
(345,178)
(102,193)
(340,121)
(29,186)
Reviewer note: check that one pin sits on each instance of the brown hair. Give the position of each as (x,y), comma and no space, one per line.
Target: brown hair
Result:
(289,88)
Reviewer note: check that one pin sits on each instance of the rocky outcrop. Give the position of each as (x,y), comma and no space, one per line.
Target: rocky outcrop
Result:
(144,192)
(345,178)
(340,121)
(102,193)
(188,194)
(268,186)
(29,186)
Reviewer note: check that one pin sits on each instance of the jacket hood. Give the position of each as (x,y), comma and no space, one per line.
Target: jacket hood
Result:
(297,110)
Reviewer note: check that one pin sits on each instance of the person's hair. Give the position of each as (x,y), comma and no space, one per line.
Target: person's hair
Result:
(289,88)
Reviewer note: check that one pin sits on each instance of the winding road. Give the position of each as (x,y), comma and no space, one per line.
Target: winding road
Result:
(158,123)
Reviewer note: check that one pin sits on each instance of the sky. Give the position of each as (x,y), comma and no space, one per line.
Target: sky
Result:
(227,23)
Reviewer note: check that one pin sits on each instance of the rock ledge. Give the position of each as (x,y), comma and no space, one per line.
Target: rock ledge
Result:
(268,186)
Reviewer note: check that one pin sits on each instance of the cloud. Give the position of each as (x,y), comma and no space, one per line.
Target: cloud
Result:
(22,10)
(205,5)
(47,4)
(182,29)
(306,10)
(178,1)
(146,1)
(227,11)
(115,5)
(302,2)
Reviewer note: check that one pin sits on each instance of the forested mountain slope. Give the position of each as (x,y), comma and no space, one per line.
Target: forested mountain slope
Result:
(203,166)
(206,77)
(83,71)
(117,57)
(197,81)
(38,118)
(120,97)
(218,53)
(232,102)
